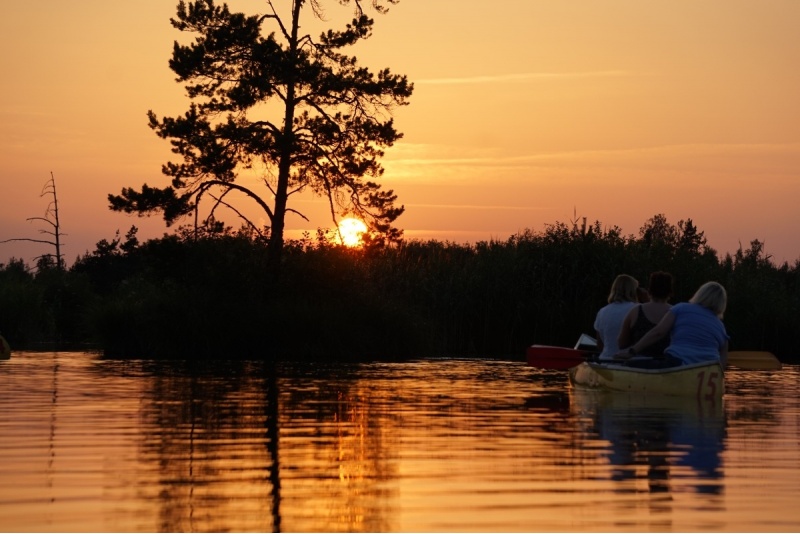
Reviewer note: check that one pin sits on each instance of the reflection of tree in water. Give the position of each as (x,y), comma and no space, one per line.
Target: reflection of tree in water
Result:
(239,448)
(667,445)
(210,435)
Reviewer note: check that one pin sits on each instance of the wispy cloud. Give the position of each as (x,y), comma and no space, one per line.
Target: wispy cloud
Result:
(523,77)
(476,207)
(693,163)
(418,154)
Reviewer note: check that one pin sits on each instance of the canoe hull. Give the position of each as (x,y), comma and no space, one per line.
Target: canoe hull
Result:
(703,381)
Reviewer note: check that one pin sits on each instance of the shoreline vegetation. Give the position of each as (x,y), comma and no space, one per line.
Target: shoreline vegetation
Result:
(204,294)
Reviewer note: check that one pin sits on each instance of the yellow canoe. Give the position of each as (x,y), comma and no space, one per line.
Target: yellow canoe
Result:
(702,380)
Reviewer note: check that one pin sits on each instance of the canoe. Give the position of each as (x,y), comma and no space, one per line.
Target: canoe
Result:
(701,380)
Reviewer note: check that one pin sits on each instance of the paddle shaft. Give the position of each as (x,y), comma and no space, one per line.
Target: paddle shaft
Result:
(756,360)
(753,360)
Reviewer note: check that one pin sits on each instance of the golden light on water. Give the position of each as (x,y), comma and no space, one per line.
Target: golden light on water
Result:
(385,447)
(351,231)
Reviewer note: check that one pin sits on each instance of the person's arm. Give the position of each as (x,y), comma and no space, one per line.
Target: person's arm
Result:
(599,341)
(657,333)
(624,338)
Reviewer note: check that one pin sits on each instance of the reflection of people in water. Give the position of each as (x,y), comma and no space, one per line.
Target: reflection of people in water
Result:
(637,439)
(701,440)
(651,439)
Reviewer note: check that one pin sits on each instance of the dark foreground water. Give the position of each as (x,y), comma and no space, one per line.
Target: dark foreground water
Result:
(430,445)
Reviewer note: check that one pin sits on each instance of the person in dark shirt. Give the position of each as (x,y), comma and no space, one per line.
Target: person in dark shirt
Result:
(642,318)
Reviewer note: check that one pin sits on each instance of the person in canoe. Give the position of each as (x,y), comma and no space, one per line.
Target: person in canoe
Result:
(642,318)
(609,318)
(695,329)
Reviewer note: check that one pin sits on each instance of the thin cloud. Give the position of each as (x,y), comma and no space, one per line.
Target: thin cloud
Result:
(689,148)
(523,77)
(476,207)
(447,206)
(22,113)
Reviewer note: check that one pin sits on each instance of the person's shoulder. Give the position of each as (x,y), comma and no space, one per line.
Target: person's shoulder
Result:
(680,307)
(632,313)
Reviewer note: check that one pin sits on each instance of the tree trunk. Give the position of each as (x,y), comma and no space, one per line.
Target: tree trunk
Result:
(287,149)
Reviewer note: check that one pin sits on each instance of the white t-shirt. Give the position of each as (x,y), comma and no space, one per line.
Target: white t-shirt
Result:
(608,324)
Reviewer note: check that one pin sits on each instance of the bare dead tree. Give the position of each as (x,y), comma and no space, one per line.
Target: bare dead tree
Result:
(50,218)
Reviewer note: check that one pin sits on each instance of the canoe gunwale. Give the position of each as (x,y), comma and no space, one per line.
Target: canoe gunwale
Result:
(662,371)
(704,379)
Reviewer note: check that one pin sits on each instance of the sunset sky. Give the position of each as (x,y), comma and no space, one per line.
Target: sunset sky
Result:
(523,115)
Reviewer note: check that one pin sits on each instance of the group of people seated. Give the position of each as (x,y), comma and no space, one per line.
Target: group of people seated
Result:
(643,329)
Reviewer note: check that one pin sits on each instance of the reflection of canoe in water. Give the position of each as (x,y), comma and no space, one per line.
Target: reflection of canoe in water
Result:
(655,437)
(701,380)
(586,401)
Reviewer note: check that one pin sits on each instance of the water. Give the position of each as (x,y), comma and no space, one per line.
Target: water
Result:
(431,445)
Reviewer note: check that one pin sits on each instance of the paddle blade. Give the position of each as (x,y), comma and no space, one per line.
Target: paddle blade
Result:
(586,343)
(757,360)
(548,357)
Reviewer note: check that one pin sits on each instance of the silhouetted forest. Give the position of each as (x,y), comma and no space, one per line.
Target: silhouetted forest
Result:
(205,295)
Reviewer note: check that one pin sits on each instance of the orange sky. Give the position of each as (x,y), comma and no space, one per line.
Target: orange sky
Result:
(521,116)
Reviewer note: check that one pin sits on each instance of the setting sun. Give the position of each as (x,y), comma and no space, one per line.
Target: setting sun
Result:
(351,231)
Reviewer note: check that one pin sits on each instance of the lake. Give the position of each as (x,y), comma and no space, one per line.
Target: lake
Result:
(428,445)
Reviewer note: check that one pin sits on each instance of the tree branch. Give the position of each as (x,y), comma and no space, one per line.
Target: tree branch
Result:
(229,185)
(28,239)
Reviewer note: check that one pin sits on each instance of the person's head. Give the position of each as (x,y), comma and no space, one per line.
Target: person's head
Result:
(660,285)
(713,296)
(642,294)
(623,289)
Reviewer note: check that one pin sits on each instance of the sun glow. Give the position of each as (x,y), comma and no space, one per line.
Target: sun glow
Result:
(351,231)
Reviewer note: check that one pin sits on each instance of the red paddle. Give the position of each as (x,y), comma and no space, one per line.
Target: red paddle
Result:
(549,357)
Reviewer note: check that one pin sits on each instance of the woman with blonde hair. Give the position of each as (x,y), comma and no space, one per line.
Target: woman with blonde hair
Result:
(608,321)
(713,296)
(696,331)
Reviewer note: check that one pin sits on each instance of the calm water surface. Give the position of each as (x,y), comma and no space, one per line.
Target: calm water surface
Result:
(428,445)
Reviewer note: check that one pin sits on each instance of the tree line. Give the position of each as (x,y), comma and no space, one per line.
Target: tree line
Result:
(206,294)
(274,112)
